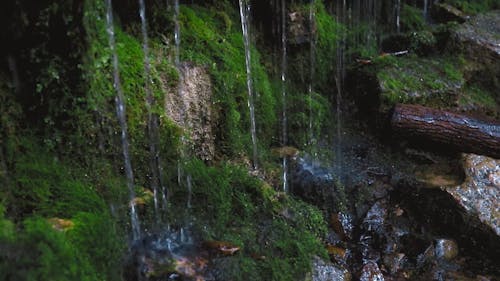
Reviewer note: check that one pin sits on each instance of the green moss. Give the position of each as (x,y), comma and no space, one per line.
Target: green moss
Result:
(475,98)
(210,40)
(38,252)
(233,206)
(328,31)
(419,80)
(412,18)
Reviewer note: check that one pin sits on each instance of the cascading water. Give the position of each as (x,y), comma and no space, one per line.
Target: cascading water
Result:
(398,15)
(180,89)
(177,33)
(339,78)
(284,124)
(121,113)
(426,9)
(310,88)
(153,134)
(244,12)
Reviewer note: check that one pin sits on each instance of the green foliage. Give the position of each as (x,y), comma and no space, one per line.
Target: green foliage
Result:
(42,185)
(38,252)
(209,38)
(96,236)
(236,207)
(412,18)
(98,115)
(475,98)
(328,31)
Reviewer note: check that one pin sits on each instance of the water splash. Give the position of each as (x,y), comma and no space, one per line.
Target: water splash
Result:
(153,134)
(244,12)
(284,136)
(121,113)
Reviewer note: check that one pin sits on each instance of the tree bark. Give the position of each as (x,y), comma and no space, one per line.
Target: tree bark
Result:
(462,132)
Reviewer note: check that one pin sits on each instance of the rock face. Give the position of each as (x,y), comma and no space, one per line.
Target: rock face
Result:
(300,29)
(479,195)
(323,271)
(443,12)
(478,39)
(190,107)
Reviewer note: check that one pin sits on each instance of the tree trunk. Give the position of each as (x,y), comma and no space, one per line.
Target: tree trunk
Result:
(462,132)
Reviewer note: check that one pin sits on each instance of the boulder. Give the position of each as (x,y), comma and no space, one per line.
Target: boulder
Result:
(371,272)
(442,12)
(478,40)
(326,271)
(479,195)
(300,29)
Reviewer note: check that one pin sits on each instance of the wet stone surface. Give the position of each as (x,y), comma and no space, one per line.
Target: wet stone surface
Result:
(479,195)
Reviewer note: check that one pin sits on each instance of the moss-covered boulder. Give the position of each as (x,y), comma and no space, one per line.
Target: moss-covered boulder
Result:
(479,41)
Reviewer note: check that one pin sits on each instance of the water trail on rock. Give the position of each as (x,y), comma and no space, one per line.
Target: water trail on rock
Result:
(156,181)
(284,132)
(398,15)
(121,113)
(310,89)
(183,108)
(244,14)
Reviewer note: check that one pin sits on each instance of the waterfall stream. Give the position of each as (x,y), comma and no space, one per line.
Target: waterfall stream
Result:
(310,89)
(284,136)
(244,14)
(121,113)
(153,134)
(183,108)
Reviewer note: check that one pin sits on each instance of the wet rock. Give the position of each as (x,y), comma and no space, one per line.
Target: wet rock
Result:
(446,249)
(326,271)
(479,195)
(376,216)
(313,184)
(300,29)
(442,12)
(371,272)
(190,107)
(394,262)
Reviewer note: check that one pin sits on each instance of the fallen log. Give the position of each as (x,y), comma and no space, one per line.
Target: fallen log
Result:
(464,133)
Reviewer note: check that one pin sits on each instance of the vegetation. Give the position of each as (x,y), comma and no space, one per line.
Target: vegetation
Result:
(474,7)
(236,207)
(63,202)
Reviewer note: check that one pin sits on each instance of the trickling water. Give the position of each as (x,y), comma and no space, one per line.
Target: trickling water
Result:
(339,79)
(310,88)
(244,12)
(121,113)
(284,131)
(153,134)
(398,12)
(180,89)
(177,33)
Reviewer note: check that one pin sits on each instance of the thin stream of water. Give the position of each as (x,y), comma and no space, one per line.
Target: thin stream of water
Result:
(121,114)
(284,116)
(244,12)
